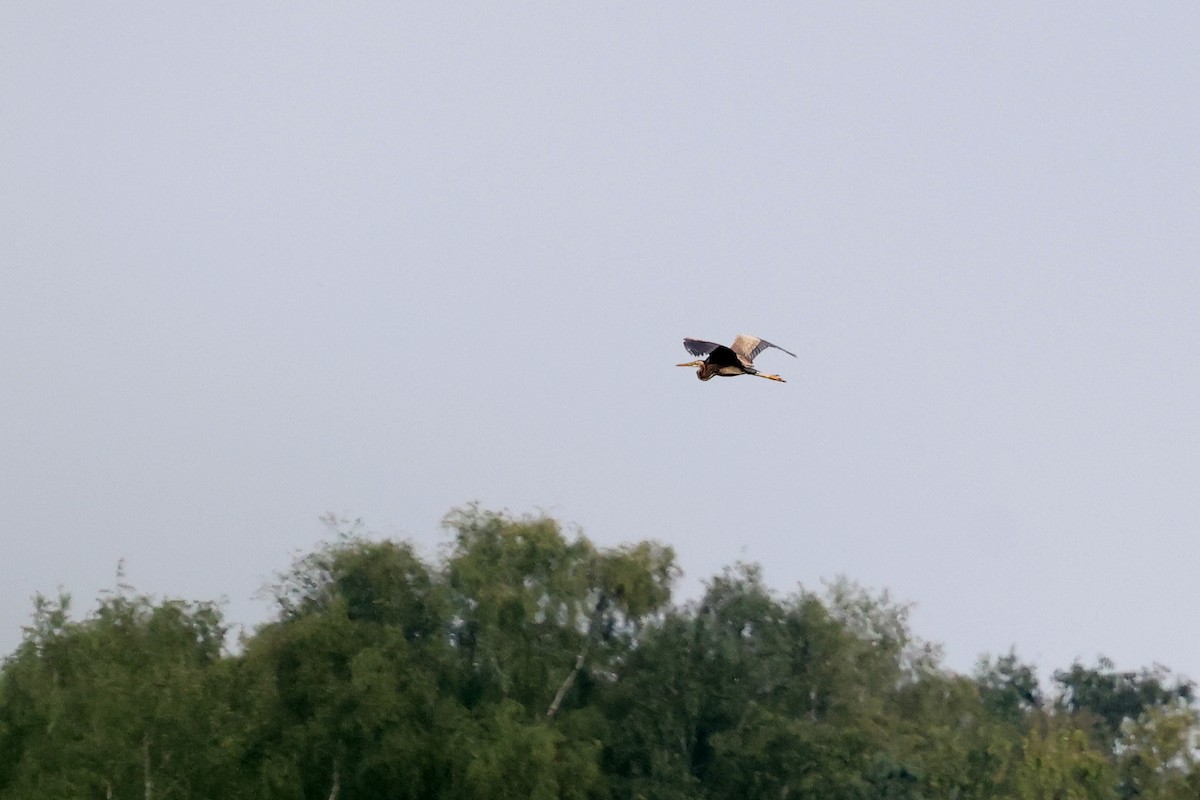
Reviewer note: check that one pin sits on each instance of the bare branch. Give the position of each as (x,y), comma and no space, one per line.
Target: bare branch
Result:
(592,632)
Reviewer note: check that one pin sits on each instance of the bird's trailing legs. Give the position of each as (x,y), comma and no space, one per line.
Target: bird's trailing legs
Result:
(769,377)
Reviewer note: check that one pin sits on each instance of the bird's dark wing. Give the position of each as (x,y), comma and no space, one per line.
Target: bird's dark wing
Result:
(749,346)
(722,356)
(699,347)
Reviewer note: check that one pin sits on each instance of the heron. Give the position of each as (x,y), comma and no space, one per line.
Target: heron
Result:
(736,359)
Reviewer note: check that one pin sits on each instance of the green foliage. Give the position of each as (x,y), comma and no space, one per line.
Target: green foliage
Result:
(112,704)
(1157,754)
(507,756)
(526,663)
(946,742)
(1010,689)
(1059,764)
(1106,698)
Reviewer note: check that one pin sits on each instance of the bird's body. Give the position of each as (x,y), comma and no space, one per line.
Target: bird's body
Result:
(727,362)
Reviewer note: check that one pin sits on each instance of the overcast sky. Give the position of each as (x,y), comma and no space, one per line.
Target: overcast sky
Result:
(263,261)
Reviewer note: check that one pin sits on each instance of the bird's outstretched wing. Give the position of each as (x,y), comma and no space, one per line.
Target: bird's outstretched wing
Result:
(748,346)
(699,347)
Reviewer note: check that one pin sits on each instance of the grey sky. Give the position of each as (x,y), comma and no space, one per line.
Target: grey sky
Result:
(263,261)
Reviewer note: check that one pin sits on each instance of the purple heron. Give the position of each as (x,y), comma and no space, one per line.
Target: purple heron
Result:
(736,359)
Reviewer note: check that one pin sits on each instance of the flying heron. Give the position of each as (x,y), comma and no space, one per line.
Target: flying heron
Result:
(737,359)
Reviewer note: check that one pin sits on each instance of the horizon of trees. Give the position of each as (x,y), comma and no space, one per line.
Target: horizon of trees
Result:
(524,663)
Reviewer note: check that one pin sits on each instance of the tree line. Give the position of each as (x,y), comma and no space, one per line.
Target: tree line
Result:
(526,663)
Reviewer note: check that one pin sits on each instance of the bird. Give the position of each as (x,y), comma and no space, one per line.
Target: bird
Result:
(736,359)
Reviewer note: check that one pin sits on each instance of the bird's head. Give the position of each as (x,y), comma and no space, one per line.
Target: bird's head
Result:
(701,373)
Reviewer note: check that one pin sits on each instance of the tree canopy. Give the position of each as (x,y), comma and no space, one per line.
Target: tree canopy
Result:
(526,663)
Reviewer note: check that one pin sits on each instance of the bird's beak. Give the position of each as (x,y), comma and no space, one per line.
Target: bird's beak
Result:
(690,364)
